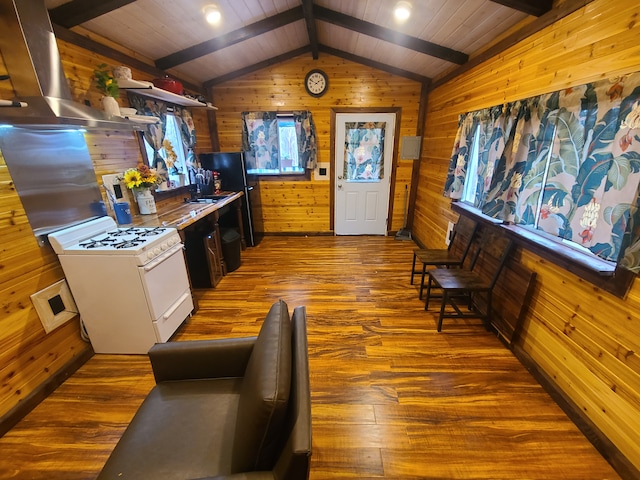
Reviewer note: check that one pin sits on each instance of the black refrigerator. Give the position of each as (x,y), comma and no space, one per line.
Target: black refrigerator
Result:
(234,177)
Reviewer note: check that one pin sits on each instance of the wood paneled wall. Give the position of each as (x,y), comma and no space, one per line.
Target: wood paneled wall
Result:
(29,358)
(304,205)
(583,338)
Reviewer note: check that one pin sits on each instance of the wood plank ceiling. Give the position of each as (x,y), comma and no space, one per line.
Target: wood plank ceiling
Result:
(175,38)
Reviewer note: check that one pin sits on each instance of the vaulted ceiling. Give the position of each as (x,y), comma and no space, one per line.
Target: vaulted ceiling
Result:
(174,37)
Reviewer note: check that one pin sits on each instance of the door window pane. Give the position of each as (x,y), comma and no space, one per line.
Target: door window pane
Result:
(364,151)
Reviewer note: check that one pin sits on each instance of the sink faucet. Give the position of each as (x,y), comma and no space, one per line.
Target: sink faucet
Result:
(199,181)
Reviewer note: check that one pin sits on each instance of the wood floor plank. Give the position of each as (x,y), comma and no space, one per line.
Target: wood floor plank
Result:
(391,397)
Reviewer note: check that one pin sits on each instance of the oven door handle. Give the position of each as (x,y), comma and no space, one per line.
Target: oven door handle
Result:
(158,260)
(176,305)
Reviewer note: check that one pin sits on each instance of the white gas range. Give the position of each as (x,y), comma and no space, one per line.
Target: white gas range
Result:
(130,283)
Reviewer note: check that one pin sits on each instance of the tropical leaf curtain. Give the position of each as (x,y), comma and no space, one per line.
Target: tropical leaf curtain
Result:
(188,134)
(154,133)
(260,138)
(567,162)
(364,150)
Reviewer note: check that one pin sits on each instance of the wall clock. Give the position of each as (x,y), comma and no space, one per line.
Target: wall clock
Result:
(316,83)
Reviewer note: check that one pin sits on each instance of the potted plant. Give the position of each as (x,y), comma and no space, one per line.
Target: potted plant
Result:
(107,85)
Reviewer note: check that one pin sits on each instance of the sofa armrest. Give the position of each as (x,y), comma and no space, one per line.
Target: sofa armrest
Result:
(226,357)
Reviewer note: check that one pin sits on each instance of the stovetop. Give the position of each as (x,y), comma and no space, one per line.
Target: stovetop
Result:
(123,238)
(102,236)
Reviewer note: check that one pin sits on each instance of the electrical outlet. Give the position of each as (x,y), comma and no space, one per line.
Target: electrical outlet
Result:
(321,172)
(54,305)
(447,238)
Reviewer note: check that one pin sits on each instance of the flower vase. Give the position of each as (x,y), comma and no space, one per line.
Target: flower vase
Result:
(110,106)
(146,202)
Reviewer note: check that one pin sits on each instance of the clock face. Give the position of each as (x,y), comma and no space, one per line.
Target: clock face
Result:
(316,83)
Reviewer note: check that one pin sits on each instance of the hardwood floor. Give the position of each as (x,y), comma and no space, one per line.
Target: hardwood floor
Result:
(391,397)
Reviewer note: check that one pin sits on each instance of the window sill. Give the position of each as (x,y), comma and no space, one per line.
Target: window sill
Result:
(601,273)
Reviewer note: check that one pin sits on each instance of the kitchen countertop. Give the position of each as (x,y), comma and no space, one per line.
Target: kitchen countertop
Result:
(182,215)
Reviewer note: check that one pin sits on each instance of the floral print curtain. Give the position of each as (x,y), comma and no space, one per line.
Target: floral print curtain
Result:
(490,148)
(260,137)
(154,133)
(364,151)
(188,135)
(307,147)
(517,185)
(567,162)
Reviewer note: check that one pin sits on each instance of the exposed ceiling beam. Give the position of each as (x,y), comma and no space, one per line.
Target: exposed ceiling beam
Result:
(373,64)
(531,7)
(307,8)
(231,38)
(255,67)
(322,48)
(79,11)
(388,35)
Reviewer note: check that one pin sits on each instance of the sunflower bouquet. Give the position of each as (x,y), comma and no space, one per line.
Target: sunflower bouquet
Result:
(140,177)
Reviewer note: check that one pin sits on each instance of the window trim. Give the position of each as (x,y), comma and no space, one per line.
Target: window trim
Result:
(605,275)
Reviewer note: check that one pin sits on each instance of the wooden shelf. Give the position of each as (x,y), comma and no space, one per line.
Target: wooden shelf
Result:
(149,90)
(142,119)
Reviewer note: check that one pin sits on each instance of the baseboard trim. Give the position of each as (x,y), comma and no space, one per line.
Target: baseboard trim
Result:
(17,413)
(607,449)
(298,234)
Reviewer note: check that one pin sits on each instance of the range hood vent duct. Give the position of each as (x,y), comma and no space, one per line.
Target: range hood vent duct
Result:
(32,59)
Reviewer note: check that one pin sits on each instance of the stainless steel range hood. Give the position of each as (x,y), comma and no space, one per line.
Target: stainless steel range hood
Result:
(28,46)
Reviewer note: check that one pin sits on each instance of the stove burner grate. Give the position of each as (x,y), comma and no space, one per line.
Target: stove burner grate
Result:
(151,232)
(96,243)
(122,232)
(134,242)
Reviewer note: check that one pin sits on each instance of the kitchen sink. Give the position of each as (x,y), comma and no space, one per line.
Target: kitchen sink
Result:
(206,199)
(215,197)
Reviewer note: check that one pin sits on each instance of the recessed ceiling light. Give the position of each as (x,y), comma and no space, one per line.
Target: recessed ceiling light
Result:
(402,11)
(212,14)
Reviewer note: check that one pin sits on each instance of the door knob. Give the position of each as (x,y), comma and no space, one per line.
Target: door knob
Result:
(339,177)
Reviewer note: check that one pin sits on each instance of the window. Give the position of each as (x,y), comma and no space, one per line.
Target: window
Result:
(565,165)
(169,143)
(172,152)
(278,143)
(471,180)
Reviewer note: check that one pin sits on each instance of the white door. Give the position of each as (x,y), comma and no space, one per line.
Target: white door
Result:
(364,157)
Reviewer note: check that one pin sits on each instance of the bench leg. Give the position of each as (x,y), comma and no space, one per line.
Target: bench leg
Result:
(424,270)
(442,305)
(426,301)
(413,268)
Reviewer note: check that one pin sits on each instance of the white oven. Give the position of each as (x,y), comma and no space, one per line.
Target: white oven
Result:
(130,284)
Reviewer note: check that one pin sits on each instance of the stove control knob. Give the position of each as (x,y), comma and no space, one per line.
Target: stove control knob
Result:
(164,246)
(157,251)
(150,254)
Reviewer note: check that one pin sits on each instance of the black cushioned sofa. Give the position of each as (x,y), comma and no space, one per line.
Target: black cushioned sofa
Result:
(236,409)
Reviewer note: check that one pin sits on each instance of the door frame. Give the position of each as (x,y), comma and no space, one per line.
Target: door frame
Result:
(332,158)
